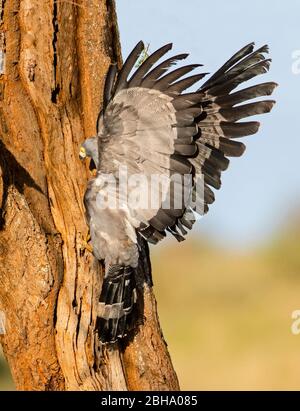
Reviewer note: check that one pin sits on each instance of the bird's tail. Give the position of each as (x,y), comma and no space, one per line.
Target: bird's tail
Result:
(117,303)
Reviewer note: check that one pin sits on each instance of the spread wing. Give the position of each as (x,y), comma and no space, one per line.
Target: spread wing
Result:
(155,128)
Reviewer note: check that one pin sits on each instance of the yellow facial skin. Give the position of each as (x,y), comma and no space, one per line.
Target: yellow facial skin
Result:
(82,153)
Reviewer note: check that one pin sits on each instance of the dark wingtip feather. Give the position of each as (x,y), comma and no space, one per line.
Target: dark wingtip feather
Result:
(232,148)
(109,84)
(263,49)
(272,85)
(137,77)
(166,81)
(159,70)
(140,45)
(128,66)
(269,105)
(239,55)
(238,97)
(168,46)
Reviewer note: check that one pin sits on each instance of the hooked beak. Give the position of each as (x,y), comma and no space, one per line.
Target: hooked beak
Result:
(82,153)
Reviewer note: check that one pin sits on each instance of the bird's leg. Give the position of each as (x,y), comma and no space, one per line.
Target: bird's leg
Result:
(85,242)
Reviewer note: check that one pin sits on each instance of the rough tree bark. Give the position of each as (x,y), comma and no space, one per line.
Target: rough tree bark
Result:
(56,56)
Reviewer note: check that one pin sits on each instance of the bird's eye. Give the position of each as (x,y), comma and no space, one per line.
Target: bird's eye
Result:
(82,153)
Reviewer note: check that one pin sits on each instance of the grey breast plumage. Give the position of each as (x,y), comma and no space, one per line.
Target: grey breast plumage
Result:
(152,126)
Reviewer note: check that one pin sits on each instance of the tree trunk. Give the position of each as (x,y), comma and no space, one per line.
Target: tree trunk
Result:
(53,60)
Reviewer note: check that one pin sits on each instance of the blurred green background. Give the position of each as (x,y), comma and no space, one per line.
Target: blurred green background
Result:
(6,383)
(226,314)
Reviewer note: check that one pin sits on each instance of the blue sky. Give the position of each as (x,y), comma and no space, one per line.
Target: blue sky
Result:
(261,188)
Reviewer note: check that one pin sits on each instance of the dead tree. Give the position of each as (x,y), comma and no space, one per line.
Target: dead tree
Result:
(53,59)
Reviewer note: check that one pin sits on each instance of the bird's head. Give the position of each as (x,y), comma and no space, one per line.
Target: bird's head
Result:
(89,148)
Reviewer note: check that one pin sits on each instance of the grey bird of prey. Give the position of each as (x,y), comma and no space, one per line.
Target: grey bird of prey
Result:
(151,126)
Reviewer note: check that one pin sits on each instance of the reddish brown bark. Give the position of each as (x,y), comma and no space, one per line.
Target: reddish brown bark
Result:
(56,57)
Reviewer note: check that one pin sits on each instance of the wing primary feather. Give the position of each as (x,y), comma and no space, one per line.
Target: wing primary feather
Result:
(230,148)
(185,83)
(229,63)
(186,100)
(128,66)
(243,65)
(164,82)
(109,84)
(137,77)
(247,110)
(240,77)
(159,70)
(263,89)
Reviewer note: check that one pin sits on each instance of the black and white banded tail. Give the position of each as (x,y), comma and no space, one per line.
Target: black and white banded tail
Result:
(117,304)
